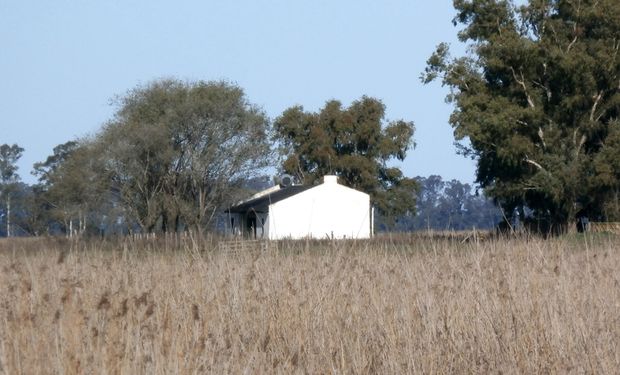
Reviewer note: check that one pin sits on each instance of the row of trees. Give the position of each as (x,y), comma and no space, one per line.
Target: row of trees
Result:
(177,153)
(440,205)
(449,205)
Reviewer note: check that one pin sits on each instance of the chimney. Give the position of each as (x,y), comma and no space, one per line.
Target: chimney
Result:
(329,179)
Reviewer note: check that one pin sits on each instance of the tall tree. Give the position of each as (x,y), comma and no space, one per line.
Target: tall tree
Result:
(73,185)
(45,170)
(176,150)
(538,99)
(9,155)
(354,143)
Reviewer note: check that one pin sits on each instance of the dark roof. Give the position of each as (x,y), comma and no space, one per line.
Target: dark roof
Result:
(261,204)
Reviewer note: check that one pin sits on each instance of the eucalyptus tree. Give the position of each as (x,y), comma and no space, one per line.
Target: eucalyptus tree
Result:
(355,143)
(538,98)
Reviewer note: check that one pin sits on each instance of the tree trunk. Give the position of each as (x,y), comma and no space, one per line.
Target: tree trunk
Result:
(82,229)
(164,222)
(8,214)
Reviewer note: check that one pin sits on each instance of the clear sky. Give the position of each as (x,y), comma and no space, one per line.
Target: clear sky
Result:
(62,61)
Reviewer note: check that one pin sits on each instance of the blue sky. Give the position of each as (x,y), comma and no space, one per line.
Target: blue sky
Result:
(61,62)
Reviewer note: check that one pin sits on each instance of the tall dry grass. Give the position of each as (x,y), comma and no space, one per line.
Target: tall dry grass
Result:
(406,306)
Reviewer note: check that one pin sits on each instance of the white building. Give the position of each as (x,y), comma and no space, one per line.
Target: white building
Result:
(328,210)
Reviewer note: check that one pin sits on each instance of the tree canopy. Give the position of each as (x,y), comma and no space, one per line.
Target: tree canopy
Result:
(355,143)
(538,98)
(176,150)
(72,187)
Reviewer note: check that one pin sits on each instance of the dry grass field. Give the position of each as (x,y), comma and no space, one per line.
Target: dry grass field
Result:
(389,306)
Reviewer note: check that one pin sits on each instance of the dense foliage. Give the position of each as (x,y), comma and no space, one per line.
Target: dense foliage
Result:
(175,151)
(538,98)
(354,143)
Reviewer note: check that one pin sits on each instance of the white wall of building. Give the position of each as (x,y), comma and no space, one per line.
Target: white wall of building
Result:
(329,210)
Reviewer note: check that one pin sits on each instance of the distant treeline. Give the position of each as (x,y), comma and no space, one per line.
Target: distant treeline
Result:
(176,154)
(440,205)
(449,205)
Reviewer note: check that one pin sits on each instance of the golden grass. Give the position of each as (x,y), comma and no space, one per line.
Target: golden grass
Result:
(511,306)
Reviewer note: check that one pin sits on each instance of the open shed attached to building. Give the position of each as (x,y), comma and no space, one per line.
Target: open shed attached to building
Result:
(328,210)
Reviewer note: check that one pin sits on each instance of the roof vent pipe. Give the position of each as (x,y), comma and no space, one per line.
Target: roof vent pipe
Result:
(286,180)
(329,179)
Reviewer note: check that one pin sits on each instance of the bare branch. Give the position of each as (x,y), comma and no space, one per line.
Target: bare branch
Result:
(597,100)
(521,122)
(574,29)
(541,135)
(571,44)
(547,89)
(582,141)
(522,83)
(534,163)
(578,145)
(615,48)
(555,34)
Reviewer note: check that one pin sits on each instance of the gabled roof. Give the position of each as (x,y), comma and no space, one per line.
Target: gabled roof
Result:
(261,201)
